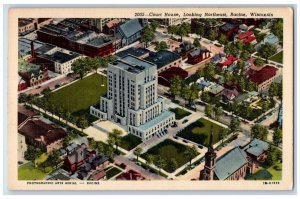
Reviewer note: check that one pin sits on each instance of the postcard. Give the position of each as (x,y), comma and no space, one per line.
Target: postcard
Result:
(150,98)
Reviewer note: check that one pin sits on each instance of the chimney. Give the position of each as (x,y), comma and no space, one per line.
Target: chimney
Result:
(33,55)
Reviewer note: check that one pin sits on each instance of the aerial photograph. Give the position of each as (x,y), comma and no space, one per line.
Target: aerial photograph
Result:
(149,99)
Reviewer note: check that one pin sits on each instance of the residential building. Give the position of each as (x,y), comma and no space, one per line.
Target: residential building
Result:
(130,175)
(228,95)
(77,158)
(42,135)
(246,37)
(207,24)
(111,26)
(164,60)
(174,21)
(184,49)
(269,38)
(198,55)
(131,30)
(65,35)
(247,98)
(21,83)
(228,63)
(229,30)
(32,74)
(28,25)
(264,77)
(132,98)
(215,90)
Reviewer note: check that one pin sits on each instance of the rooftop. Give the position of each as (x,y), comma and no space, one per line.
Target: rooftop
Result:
(132,64)
(230,162)
(198,52)
(162,58)
(137,52)
(256,147)
(130,27)
(24,46)
(263,75)
(156,120)
(61,57)
(215,89)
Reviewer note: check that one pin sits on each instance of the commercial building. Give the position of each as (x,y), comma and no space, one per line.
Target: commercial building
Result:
(65,35)
(264,77)
(132,98)
(28,25)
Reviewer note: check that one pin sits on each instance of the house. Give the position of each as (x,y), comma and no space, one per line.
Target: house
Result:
(211,24)
(247,98)
(31,73)
(165,77)
(95,162)
(140,53)
(22,85)
(219,57)
(42,135)
(97,175)
(110,27)
(131,175)
(233,165)
(257,151)
(269,38)
(77,158)
(228,95)
(25,114)
(131,30)
(246,37)
(184,49)
(215,90)
(264,77)
(59,176)
(198,55)
(164,60)
(203,85)
(228,63)
(229,30)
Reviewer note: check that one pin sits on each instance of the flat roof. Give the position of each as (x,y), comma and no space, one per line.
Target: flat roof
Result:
(162,58)
(132,64)
(133,51)
(163,116)
(24,46)
(61,57)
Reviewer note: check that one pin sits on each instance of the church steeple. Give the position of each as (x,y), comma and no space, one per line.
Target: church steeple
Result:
(210,160)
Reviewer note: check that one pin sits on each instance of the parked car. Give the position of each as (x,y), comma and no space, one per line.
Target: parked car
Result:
(185,121)
(57,86)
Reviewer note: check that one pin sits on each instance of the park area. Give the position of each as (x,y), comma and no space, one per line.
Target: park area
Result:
(79,96)
(29,172)
(267,173)
(199,132)
(179,113)
(129,142)
(277,57)
(166,151)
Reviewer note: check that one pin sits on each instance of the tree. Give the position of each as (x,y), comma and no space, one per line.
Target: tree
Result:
(209,71)
(116,133)
(194,93)
(222,39)
(205,97)
(30,99)
(211,35)
(267,50)
(82,123)
(59,112)
(245,55)
(147,36)
(161,46)
(277,136)
(32,153)
(196,43)
(234,125)
(259,61)
(223,134)
(239,45)
(218,113)
(200,31)
(79,67)
(138,151)
(273,155)
(67,116)
(154,25)
(273,89)
(173,164)
(149,159)
(172,29)
(209,110)
(22,98)
(100,147)
(258,131)
(190,153)
(92,143)
(184,30)
(46,92)
(251,86)
(54,158)
(176,86)
(109,152)
(161,162)
(249,47)
(277,28)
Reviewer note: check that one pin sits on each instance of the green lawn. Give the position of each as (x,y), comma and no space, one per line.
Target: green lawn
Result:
(130,141)
(267,173)
(179,113)
(79,96)
(112,172)
(28,172)
(199,132)
(277,57)
(167,150)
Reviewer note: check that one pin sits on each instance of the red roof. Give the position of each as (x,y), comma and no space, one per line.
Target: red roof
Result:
(165,77)
(263,75)
(112,23)
(130,175)
(229,61)
(249,39)
(244,35)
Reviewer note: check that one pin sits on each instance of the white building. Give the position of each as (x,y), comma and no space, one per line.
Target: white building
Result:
(132,98)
